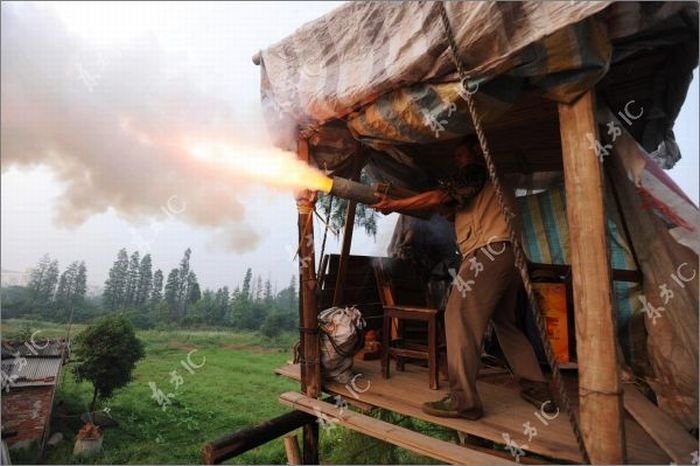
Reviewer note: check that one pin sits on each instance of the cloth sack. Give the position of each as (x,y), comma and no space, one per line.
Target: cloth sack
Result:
(341,337)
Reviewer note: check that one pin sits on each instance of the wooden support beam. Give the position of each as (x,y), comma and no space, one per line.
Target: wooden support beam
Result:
(347,234)
(670,435)
(413,441)
(310,354)
(239,442)
(344,252)
(600,387)
(291,447)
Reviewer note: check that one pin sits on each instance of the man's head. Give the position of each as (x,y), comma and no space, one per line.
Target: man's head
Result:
(468,151)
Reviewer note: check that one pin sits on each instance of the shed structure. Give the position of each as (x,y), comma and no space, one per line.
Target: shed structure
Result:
(586,90)
(30,375)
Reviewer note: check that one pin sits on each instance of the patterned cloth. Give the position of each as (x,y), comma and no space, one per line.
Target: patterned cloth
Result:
(546,240)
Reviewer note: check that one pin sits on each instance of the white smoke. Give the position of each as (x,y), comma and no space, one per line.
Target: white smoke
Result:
(111,125)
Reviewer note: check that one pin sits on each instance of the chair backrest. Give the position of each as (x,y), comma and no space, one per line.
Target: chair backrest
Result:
(398,283)
(359,287)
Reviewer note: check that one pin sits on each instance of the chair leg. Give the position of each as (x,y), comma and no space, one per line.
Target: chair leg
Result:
(400,364)
(386,341)
(432,354)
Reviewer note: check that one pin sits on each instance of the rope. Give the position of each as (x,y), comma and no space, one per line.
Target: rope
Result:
(520,259)
(325,234)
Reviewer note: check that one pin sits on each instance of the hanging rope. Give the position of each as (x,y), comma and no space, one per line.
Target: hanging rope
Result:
(325,234)
(520,259)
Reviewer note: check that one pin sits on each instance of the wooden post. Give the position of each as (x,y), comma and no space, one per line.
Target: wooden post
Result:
(310,355)
(246,439)
(600,389)
(344,252)
(291,446)
(347,235)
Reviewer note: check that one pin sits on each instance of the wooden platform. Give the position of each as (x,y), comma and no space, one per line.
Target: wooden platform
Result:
(506,414)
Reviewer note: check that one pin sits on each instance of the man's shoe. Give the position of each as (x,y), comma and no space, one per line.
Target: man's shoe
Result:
(446,408)
(538,394)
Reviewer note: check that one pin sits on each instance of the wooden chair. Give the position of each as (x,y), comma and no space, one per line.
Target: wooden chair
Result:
(405,299)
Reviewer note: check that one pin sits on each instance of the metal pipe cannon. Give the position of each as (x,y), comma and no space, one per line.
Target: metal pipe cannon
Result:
(367,194)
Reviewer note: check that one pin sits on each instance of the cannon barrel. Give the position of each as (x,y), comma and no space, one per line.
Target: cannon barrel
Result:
(354,191)
(366,194)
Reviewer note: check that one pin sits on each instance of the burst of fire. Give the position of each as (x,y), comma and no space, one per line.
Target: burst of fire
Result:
(267,165)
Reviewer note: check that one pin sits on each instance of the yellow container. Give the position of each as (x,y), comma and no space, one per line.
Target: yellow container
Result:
(552,301)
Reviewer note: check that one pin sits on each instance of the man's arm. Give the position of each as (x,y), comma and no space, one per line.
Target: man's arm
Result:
(429,200)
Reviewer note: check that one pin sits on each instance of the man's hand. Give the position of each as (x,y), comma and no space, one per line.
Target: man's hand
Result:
(385,205)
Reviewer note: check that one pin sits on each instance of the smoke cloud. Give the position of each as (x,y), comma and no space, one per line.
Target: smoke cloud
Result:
(114,126)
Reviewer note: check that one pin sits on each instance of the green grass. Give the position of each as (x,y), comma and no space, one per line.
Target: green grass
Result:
(234,389)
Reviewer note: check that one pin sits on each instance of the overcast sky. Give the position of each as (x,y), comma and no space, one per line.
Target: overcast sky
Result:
(203,52)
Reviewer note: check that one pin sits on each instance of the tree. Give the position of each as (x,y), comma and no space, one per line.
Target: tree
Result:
(194,293)
(157,291)
(267,294)
(107,352)
(133,279)
(365,217)
(43,280)
(115,286)
(222,301)
(72,285)
(258,289)
(80,287)
(145,285)
(65,284)
(245,290)
(172,289)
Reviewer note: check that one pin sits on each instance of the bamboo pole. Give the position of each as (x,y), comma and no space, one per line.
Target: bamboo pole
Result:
(310,356)
(600,389)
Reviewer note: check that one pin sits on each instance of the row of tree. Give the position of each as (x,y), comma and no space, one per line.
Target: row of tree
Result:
(47,287)
(133,288)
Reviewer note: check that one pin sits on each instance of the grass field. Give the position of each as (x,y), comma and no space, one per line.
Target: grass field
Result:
(235,388)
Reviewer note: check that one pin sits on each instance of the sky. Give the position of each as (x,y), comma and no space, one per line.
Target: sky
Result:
(148,70)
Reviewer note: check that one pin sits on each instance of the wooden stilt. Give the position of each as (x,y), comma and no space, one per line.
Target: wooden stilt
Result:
(600,389)
(291,447)
(310,356)
(344,252)
(347,236)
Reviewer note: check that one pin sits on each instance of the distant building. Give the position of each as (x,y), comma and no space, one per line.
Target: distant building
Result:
(30,372)
(14,278)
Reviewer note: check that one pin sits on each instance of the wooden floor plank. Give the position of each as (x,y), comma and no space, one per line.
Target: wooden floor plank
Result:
(506,414)
(670,435)
(405,438)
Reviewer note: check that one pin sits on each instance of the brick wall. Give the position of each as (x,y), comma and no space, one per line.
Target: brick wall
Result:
(26,410)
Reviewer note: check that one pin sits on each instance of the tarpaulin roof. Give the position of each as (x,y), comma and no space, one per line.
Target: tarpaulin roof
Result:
(385,67)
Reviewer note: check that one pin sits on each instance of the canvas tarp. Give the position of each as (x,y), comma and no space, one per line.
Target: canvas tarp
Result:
(383,65)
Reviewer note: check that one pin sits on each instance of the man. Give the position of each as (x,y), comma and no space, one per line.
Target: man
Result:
(485,288)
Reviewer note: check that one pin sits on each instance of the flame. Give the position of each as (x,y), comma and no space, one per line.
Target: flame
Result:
(268,165)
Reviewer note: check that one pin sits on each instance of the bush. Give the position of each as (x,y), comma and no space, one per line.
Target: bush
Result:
(273,325)
(107,352)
